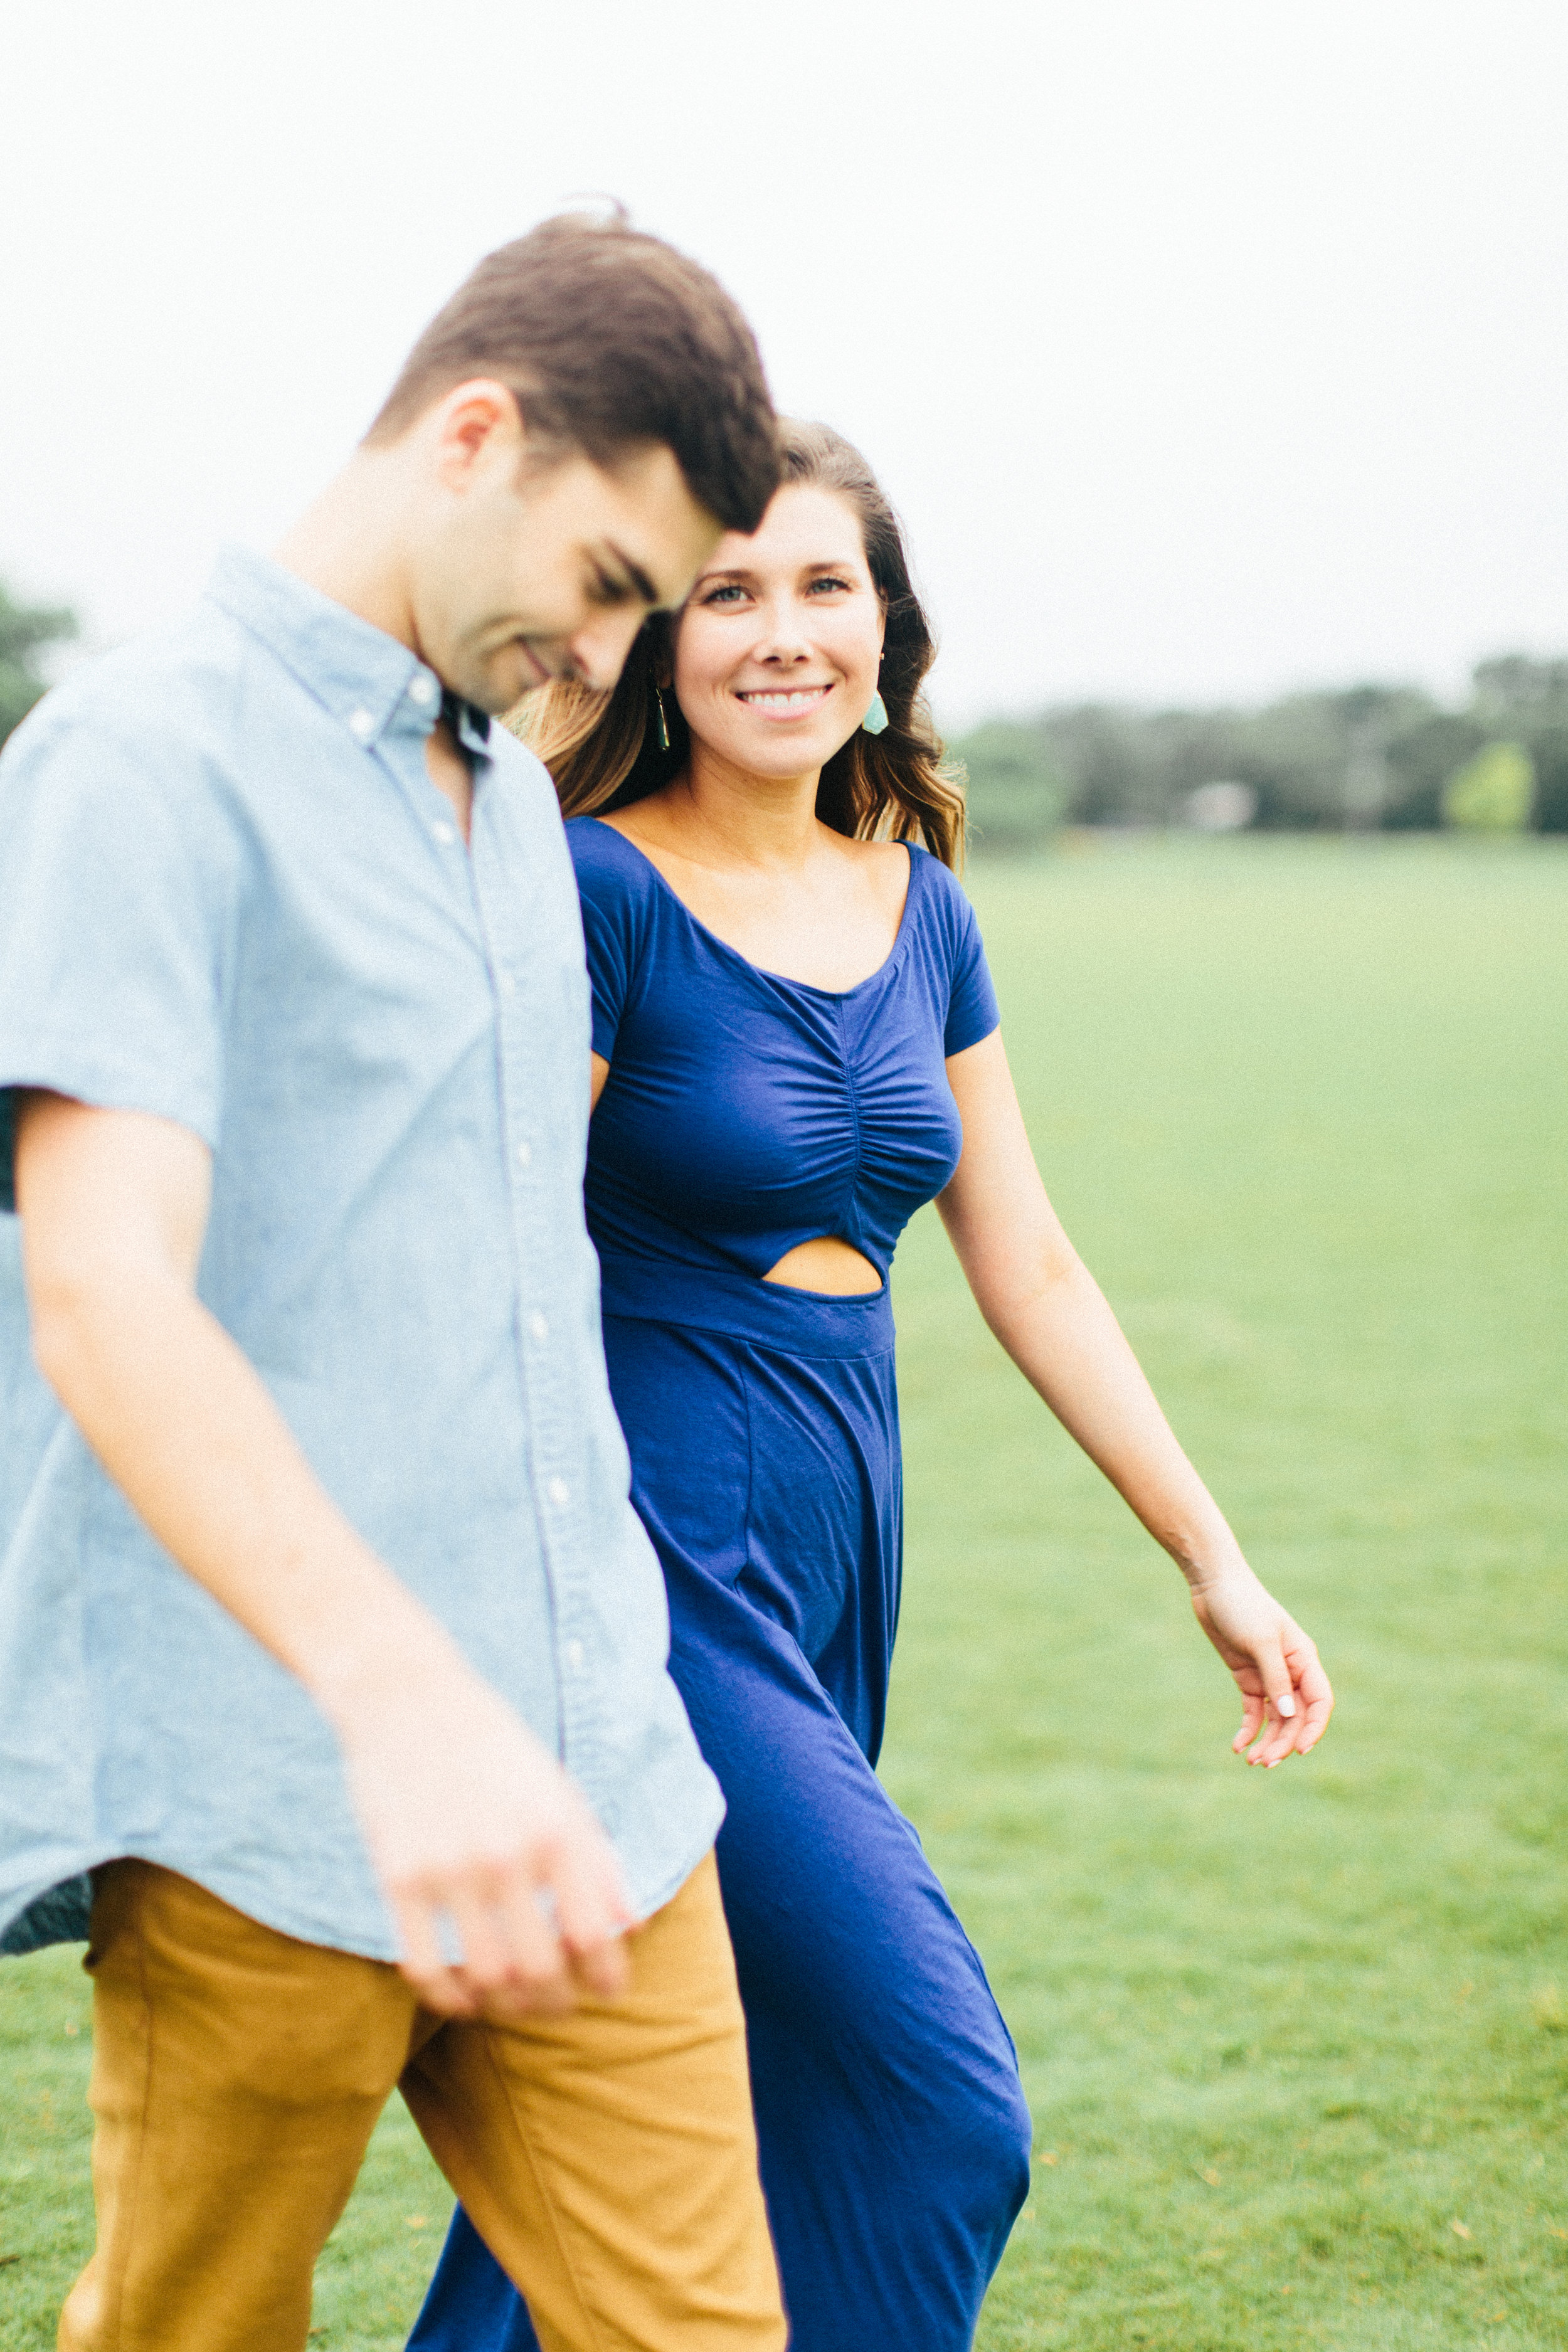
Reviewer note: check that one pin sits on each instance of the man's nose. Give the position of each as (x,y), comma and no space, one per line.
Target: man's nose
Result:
(599,648)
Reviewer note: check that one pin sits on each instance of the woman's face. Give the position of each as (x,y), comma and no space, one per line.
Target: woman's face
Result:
(778,646)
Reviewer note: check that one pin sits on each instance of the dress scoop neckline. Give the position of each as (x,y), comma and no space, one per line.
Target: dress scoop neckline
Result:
(780,979)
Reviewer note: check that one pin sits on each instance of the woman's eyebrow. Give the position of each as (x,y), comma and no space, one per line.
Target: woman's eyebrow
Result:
(744,572)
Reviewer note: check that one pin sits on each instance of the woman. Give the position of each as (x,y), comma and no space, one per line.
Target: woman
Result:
(795,1044)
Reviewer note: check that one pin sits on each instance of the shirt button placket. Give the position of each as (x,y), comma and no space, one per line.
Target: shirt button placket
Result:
(551,1422)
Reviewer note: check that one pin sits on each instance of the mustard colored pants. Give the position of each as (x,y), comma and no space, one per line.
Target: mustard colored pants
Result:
(608,2157)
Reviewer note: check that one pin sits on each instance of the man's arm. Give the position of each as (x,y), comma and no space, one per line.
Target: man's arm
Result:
(464,1811)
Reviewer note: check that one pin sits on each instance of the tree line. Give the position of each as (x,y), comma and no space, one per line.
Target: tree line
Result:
(26,631)
(1367,758)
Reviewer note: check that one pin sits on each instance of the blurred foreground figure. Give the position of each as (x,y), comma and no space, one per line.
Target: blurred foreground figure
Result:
(795,1044)
(332,1648)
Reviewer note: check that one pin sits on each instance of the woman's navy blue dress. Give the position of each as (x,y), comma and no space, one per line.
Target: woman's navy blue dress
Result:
(744,1113)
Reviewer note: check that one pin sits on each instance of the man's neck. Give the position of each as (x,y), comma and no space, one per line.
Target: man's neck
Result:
(349,544)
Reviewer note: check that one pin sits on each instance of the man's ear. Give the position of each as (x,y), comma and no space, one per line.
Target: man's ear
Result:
(476,423)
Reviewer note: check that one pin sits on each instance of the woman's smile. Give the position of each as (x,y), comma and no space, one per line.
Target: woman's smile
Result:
(784,702)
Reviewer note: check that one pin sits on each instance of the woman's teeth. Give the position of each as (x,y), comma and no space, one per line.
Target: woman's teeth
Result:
(797,699)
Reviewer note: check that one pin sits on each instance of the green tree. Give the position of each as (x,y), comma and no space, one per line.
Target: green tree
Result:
(1493,792)
(1521,692)
(1017,795)
(1550,752)
(25,631)
(1421,759)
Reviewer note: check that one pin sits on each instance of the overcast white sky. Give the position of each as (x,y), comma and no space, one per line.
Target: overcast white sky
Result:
(1207,348)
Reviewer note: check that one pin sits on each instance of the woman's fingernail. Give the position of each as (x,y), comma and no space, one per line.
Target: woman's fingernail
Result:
(1286,1704)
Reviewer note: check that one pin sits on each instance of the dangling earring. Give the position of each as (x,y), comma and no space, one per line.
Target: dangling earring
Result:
(876,719)
(664,723)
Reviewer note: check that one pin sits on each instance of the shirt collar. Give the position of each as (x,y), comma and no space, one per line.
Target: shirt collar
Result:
(365,679)
(468,724)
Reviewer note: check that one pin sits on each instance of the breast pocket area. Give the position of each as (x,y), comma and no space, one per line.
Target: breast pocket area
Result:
(822,1529)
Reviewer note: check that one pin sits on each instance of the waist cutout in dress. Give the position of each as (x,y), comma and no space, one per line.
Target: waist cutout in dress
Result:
(768,1314)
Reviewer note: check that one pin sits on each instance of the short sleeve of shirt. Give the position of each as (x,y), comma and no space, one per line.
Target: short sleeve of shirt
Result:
(973,1011)
(613,883)
(118,884)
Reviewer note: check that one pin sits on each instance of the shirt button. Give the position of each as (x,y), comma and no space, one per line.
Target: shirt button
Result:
(559,1491)
(539,1327)
(443,832)
(507,985)
(524,1155)
(363,724)
(574,1657)
(422,689)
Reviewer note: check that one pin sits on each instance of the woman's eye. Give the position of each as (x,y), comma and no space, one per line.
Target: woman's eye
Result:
(829,580)
(723,595)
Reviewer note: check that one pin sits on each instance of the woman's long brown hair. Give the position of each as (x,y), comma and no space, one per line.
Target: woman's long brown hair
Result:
(603,750)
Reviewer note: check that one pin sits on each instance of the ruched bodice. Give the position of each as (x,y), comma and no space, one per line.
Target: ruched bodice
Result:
(745,1112)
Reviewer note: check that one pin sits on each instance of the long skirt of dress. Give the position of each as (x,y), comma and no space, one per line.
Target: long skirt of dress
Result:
(892,2132)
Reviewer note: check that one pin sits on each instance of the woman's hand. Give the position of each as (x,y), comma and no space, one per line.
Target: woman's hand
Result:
(1286,1695)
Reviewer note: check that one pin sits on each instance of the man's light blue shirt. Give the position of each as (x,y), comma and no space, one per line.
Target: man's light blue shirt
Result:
(231,896)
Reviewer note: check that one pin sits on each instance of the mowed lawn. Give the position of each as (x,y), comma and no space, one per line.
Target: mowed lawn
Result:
(1296,2043)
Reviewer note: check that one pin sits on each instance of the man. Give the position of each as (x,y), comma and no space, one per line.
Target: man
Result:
(329,1644)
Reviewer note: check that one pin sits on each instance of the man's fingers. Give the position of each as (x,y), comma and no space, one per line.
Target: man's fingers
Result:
(593,1915)
(511,1957)
(439,1986)
(540,1977)
(494,1958)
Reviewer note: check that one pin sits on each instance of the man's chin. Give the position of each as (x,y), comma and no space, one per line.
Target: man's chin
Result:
(502,687)
(489,691)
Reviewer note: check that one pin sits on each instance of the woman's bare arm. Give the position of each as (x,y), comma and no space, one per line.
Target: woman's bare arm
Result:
(1044,1306)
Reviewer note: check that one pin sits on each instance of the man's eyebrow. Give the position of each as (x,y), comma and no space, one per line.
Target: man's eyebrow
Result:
(642,586)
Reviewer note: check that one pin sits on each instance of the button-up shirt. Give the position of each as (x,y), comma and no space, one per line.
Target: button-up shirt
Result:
(231,896)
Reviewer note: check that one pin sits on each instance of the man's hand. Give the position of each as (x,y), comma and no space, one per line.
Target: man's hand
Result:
(470,1820)
(466,1816)
(1285,1695)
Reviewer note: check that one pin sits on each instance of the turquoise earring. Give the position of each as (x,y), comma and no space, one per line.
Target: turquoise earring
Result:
(663,721)
(876,719)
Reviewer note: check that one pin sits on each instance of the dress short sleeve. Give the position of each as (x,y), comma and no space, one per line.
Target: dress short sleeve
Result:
(973,1011)
(613,886)
(118,887)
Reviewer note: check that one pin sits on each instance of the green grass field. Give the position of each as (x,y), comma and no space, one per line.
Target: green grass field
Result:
(1296,2043)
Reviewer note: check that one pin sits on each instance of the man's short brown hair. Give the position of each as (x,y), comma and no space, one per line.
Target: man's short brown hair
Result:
(607,337)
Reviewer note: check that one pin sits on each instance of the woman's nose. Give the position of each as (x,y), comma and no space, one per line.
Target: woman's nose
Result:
(784,635)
